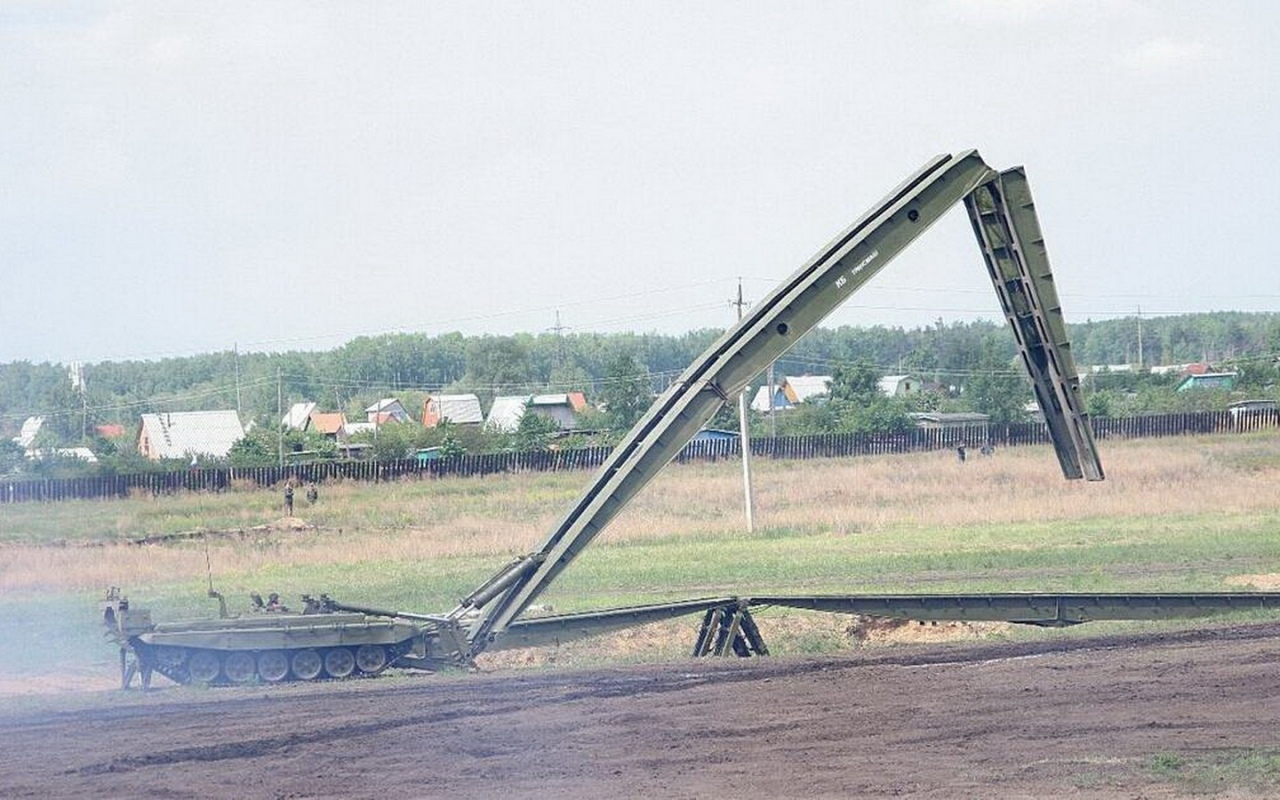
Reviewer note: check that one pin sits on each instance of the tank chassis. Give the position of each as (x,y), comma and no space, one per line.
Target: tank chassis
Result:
(363,640)
(268,644)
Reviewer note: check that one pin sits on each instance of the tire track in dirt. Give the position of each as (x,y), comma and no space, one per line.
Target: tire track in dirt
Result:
(255,748)
(339,711)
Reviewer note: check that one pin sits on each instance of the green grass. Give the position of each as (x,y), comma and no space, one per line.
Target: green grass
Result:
(678,546)
(343,506)
(1217,772)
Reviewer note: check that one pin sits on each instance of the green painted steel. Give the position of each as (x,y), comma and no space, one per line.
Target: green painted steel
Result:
(264,645)
(1034,608)
(1045,609)
(560,628)
(773,326)
(1004,220)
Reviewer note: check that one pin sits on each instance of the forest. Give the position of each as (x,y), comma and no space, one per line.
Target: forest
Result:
(964,366)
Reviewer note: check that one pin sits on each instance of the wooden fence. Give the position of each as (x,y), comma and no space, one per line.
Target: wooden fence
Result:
(781,447)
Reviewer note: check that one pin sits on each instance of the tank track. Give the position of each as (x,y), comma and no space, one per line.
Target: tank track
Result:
(187,665)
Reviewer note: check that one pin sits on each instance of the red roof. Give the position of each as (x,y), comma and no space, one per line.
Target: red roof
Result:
(328,422)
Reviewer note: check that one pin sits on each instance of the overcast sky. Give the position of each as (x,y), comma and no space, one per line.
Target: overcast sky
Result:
(188,177)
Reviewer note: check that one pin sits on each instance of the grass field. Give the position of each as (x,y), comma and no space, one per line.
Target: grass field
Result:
(1174,515)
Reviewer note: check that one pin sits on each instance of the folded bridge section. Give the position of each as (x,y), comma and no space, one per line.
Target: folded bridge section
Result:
(1008,233)
(728,627)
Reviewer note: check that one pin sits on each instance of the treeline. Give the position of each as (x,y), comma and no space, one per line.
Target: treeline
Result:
(959,359)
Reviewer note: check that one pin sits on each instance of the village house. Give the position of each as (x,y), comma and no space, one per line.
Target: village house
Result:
(803,388)
(26,437)
(507,410)
(760,402)
(189,434)
(798,389)
(388,409)
(899,385)
(329,424)
(1207,380)
(457,409)
(931,420)
(298,418)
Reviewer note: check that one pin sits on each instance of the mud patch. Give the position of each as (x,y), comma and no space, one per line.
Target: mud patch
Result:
(1263,583)
(61,683)
(1132,715)
(884,630)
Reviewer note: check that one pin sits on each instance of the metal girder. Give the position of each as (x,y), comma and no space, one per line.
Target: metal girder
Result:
(560,628)
(777,322)
(1033,608)
(728,628)
(1004,220)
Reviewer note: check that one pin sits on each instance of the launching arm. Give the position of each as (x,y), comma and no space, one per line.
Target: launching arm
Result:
(1018,265)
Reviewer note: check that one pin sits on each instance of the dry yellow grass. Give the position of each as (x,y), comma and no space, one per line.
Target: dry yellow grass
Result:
(421,522)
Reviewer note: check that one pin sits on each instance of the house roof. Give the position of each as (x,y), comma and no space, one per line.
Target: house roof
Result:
(299,415)
(802,387)
(110,430)
(352,428)
(460,409)
(507,411)
(384,409)
(30,429)
(950,417)
(1211,379)
(180,434)
(890,384)
(79,453)
(328,422)
(1252,405)
(385,404)
(560,399)
(760,402)
(714,434)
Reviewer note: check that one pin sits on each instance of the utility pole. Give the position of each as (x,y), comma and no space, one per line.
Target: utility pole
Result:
(1140,353)
(83,387)
(773,412)
(280,417)
(235,355)
(744,434)
(558,330)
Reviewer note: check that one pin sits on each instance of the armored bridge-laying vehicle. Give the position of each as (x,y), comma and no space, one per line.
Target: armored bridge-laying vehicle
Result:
(346,640)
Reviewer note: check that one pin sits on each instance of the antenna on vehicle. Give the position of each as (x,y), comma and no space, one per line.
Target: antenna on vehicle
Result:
(208,567)
(208,571)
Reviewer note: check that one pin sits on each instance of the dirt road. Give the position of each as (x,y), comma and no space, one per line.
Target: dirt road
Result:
(1148,716)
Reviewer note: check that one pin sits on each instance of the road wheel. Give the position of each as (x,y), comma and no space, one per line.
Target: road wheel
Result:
(239,667)
(170,657)
(339,662)
(203,667)
(306,665)
(273,666)
(371,658)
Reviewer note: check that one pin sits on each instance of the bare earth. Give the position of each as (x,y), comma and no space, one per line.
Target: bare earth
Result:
(1097,717)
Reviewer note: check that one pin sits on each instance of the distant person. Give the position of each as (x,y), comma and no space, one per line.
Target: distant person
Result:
(313,493)
(987,449)
(288,499)
(960,454)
